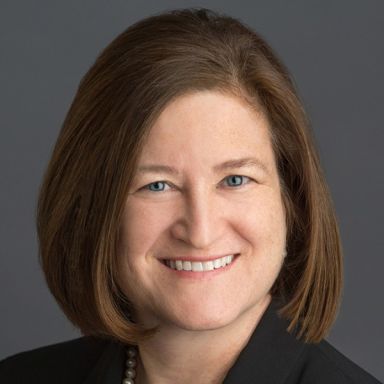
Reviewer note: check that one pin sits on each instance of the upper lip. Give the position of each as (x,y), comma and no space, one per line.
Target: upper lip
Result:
(199,258)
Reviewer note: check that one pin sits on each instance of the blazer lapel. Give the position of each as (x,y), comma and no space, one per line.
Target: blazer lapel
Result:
(109,369)
(270,353)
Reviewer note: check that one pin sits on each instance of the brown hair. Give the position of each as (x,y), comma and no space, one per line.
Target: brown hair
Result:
(85,186)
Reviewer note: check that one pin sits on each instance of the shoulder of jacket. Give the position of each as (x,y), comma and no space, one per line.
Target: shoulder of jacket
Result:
(68,361)
(324,363)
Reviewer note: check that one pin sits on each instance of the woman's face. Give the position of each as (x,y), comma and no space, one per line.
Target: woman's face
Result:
(206,187)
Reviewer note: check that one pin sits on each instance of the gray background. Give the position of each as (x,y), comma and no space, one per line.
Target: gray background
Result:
(334,50)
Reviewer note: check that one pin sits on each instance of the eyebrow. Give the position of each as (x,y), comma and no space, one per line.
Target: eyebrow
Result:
(229,164)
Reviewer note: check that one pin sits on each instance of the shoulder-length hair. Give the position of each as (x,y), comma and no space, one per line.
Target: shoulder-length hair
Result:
(85,186)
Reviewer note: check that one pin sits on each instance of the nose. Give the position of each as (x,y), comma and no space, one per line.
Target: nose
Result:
(200,223)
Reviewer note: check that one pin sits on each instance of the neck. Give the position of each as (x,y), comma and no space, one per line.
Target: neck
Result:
(178,355)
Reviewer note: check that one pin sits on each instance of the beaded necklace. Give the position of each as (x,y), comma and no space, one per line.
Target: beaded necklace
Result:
(131,363)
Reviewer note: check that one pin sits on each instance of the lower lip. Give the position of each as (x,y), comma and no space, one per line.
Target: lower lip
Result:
(201,274)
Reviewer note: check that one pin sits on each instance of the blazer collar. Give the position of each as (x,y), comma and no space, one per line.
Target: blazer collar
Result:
(109,368)
(270,353)
(267,358)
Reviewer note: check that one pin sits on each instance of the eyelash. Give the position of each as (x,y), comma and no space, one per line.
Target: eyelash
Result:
(147,187)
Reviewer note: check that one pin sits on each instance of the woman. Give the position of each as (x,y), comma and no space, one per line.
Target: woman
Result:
(184,222)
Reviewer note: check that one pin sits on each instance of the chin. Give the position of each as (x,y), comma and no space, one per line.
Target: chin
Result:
(195,320)
(205,318)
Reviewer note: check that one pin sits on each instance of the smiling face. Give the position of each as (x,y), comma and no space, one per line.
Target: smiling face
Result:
(206,187)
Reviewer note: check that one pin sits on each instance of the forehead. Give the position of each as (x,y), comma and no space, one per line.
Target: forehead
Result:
(208,125)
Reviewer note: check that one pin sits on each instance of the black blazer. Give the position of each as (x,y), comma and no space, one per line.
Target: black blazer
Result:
(272,356)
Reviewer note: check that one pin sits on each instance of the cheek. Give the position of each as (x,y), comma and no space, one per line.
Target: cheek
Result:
(262,221)
(141,229)
(262,226)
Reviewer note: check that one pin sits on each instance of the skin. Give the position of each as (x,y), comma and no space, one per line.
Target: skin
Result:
(202,211)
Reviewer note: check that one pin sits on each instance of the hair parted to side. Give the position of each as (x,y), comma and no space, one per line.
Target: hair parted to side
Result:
(85,186)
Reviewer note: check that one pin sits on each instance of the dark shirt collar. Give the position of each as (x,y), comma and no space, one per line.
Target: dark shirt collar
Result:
(267,358)
(109,369)
(270,353)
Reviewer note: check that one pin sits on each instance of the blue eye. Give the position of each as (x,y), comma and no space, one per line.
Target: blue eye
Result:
(236,180)
(230,181)
(157,186)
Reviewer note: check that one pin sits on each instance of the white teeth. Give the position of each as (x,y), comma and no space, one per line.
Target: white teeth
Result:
(208,266)
(187,265)
(199,266)
(179,265)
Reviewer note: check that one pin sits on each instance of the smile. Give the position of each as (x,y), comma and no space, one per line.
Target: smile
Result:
(199,266)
